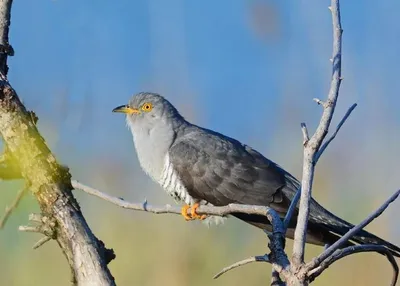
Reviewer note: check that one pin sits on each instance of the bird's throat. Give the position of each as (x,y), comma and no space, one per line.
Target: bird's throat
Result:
(151,143)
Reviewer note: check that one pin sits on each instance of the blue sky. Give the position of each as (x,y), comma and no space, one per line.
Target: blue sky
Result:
(245,68)
(248,69)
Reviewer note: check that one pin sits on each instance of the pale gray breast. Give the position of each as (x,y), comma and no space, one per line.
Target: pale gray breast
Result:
(151,144)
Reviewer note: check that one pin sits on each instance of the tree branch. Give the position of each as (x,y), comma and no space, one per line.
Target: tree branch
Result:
(331,249)
(277,257)
(326,144)
(291,209)
(263,258)
(49,182)
(168,209)
(313,145)
(341,253)
(5,48)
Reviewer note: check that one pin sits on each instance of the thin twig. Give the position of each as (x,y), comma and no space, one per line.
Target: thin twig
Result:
(291,209)
(313,145)
(11,208)
(327,142)
(341,253)
(263,258)
(331,249)
(277,239)
(41,241)
(168,209)
(304,130)
(28,228)
(319,101)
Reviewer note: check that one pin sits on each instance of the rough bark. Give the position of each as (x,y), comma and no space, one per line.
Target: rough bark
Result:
(49,182)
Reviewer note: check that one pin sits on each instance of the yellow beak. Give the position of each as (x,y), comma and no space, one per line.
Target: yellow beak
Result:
(125,109)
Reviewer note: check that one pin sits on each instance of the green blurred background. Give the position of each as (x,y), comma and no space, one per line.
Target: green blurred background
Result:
(248,69)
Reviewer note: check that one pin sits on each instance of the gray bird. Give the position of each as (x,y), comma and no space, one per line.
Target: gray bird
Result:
(199,166)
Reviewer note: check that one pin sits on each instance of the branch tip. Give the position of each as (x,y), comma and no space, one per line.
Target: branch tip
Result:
(306,137)
(263,258)
(41,241)
(319,101)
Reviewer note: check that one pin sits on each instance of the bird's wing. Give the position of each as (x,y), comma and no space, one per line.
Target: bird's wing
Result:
(221,170)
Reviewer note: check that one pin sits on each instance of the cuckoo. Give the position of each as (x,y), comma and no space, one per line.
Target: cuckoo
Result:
(200,166)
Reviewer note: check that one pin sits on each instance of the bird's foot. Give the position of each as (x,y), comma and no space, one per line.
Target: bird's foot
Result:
(193,214)
(184,212)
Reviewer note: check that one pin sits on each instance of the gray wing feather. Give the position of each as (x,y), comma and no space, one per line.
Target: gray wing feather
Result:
(221,170)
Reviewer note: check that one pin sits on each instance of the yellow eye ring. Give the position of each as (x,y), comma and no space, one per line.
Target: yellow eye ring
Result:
(147,107)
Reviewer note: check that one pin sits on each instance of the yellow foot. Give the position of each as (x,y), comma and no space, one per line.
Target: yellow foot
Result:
(193,215)
(184,212)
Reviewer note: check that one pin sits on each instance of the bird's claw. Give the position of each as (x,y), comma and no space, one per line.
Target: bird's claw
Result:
(193,214)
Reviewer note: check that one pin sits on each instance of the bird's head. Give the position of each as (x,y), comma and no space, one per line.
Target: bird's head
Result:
(148,109)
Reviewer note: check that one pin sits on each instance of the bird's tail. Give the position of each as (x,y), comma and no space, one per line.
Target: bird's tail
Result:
(323,228)
(336,227)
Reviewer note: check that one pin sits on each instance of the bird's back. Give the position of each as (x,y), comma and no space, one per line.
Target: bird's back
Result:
(221,170)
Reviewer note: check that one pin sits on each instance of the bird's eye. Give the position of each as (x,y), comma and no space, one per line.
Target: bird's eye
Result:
(147,107)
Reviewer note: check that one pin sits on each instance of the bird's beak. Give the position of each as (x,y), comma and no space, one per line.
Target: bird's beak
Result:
(125,109)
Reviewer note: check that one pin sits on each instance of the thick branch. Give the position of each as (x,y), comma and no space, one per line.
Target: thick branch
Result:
(49,182)
(51,186)
(313,145)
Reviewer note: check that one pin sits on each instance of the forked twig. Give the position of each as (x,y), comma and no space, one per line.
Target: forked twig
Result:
(314,144)
(331,249)
(341,253)
(327,142)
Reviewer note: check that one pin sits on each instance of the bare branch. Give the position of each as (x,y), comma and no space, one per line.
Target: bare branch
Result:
(341,253)
(13,206)
(319,101)
(41,241)
(49,182)
(168,209)
(278,258)
(263,258)
(325,145)
(311,149)
(306,137)
(331,249)
(5,48)
(291,209)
